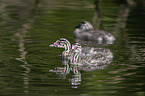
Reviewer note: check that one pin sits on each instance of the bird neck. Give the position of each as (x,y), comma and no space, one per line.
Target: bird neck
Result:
(76,57)
(67,47)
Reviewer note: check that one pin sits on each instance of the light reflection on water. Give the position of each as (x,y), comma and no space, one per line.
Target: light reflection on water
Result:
(26,58)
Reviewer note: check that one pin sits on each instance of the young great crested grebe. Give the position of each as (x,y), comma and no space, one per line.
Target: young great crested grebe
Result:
(83,55)
(90,55)
(84,33)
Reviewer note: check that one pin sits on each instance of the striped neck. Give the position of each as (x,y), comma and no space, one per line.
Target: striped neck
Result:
(67,46)
(77,49)
(76,57)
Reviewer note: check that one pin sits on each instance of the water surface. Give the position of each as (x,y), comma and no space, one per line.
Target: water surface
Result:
(28,28)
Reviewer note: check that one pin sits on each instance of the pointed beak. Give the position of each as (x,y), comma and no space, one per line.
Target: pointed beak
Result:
(52,45)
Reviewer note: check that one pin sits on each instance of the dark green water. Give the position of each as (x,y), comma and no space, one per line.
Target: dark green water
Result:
(28,27)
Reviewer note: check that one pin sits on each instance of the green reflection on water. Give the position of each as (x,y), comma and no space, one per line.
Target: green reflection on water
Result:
(27,28)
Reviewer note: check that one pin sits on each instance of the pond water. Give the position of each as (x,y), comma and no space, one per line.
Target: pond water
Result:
(28,64)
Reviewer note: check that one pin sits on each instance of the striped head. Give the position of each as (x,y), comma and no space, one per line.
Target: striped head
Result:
(76,47)
(85,25)
(56,44)
(62,43)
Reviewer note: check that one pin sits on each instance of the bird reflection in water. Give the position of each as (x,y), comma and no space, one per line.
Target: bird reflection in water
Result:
(77,58)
